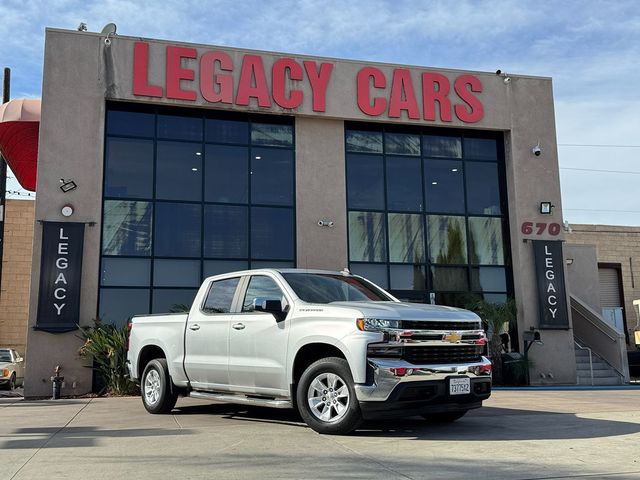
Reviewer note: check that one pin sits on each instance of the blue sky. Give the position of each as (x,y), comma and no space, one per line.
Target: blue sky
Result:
(590,48)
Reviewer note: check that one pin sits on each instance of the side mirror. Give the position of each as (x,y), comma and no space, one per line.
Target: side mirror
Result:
(270,305)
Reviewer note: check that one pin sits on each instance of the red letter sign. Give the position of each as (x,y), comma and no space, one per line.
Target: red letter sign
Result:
(252,72)
(430,96)
(364,102)
(476,111)
(141,72)
(175,72)
(209,79)
(278,74)
(319,82)
(403,96)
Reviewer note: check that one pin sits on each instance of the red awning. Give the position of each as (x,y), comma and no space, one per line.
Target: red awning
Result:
(19,127)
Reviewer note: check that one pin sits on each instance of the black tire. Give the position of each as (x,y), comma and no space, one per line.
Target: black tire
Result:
(445,417)
(12,382)
(158,396)
(350,417)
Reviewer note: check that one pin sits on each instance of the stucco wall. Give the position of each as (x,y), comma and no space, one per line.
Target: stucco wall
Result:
(16,272)
(80,72)
(621,246)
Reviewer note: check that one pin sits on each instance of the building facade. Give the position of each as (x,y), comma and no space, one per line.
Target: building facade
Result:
(161,163)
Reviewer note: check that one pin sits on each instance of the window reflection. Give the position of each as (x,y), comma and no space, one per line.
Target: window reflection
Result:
(485,241)
(126,228)
(367,241)
(406,238)
(439,146)
(407,277)
(374,272)
(488,279)
(226,131)
(449,279)
(447,239)
(178,127)
(365,142)
(401,144)
(271,134)
(118,305)
(480,149)
(272,233)
(172,300)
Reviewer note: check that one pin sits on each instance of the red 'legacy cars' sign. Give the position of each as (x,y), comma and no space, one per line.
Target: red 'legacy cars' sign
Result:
(377,94)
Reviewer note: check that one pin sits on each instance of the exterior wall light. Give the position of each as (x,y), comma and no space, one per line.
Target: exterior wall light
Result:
(546,207)
(67,185)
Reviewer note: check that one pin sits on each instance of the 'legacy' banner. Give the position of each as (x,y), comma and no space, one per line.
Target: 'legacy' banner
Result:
(551,289)
(60,274)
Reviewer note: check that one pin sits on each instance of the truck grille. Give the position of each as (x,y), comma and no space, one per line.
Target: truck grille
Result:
(436,325)
(442,354)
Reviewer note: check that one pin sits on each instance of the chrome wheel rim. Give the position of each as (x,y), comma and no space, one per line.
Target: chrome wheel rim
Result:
(328,397)
(152,387)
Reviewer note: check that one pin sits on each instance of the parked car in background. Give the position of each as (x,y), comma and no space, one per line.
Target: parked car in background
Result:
(11,369)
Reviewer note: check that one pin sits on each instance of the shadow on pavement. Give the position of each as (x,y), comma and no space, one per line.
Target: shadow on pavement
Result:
(72,437)
(486,424)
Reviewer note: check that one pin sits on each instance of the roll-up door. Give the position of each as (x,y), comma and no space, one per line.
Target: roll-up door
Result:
(610,297)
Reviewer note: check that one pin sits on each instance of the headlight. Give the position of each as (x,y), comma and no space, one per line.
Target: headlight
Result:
(376,324)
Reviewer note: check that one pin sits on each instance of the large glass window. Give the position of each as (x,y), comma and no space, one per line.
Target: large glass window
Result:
(426,212)
(190,194)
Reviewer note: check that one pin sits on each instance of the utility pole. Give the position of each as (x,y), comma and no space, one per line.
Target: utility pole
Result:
(6,83)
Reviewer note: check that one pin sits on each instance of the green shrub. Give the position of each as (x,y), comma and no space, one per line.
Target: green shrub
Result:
(106,345)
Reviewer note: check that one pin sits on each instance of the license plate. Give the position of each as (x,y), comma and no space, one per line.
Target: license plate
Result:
(459,386)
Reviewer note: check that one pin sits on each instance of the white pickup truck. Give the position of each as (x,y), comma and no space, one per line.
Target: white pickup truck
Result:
(333,345)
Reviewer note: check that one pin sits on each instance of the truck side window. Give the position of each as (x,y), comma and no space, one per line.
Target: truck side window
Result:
(261,287)
(220,296)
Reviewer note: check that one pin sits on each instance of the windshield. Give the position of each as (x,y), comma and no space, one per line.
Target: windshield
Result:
(327,288)
(5,356)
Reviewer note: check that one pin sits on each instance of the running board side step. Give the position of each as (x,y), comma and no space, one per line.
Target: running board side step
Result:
(242,399)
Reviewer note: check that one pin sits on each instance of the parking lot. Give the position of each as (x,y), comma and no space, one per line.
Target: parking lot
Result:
(517,435)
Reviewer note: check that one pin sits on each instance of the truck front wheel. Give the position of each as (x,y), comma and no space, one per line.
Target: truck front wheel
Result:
(326,398)
(157,394)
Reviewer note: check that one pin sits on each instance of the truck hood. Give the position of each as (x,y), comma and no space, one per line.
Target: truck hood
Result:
(408,311)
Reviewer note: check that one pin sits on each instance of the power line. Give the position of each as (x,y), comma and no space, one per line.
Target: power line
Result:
(600,171)
(599,210)
(599,145)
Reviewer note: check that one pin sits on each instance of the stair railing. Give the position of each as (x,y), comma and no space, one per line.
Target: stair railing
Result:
(590,359)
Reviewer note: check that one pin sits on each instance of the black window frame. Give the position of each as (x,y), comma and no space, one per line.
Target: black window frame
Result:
(428,294)
(203,115)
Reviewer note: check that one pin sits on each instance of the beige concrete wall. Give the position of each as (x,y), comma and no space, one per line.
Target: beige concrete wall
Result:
(16,273)
(70,147)
(80,73)
(320,194)
(621,246)
(582,281)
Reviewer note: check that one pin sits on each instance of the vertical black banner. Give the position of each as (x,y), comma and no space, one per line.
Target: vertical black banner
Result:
(552,297)
(60,276)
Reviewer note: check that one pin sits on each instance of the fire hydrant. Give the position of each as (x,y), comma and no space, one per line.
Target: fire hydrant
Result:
(57,383)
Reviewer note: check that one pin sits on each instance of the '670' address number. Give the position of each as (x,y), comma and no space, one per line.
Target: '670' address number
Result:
(538,228)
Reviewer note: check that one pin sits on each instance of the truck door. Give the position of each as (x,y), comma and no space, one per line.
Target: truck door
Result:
(207,337)
(258,342)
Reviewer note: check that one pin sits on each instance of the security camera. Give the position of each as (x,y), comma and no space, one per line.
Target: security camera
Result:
(320,223)
(537,150)
(330,224)
(107,41)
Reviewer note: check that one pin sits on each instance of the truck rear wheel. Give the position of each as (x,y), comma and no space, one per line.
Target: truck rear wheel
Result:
(326,398)
(157,394)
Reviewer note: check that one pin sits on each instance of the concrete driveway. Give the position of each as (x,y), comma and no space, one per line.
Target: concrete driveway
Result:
(517,435)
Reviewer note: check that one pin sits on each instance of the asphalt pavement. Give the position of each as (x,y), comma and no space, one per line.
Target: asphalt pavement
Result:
(577,434)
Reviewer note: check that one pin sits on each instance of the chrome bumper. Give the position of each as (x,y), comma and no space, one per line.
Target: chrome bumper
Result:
(386,376)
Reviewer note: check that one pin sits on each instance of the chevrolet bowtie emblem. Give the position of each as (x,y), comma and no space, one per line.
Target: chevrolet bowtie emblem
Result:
(452,337)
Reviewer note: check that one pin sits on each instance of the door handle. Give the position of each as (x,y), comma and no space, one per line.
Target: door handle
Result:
(194,327)
(239,326)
